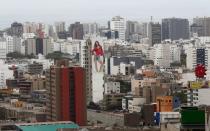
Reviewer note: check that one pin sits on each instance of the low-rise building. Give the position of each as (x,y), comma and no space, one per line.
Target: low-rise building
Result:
(112,101)
(35,68)
(112,87)
(136,104)
(198,97)
(22,111)
(164,103)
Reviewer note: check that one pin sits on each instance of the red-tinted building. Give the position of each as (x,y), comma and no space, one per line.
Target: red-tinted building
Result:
(67,97)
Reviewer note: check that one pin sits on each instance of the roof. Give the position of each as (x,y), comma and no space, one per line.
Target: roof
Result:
(46,126)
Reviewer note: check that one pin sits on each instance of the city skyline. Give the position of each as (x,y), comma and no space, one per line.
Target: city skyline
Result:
(71,11)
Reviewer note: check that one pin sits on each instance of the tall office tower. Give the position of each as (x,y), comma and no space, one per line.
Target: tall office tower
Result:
(51,31)
(30,27)
(91,28)
(86,62)
(175,28)
(17,42)
(76,31)
(37,46)
(196,30)
(142,29)
(131,28)
(205,24)
(60,27)
(118,24)
(66,93)
(154,33)
(16,29)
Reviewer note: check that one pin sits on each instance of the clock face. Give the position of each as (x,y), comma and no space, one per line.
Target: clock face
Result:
(200,71)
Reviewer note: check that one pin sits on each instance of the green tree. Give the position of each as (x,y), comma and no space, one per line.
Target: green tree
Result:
(55,55)
(182,96)
(176,64)
(15,55)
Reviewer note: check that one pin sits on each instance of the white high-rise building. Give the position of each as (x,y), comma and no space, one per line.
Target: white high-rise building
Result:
(198,97)
(162,55)
(196,55)
(3,49)
(119,24)
(175,52)
(10,44)
(2,80)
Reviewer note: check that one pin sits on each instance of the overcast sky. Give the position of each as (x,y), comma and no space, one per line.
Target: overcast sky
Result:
(50,11)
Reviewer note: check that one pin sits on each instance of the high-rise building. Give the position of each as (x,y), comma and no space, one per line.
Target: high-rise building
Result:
(198,97)
(110,34)
(109,26)
(86,63)
(17,42)
(162,55)
(3,48)
(37,46)
(175,53)
(131,28)
(2,80)
(30,27)
(91,28)
(60,27)
(10,44)
(142,29)
(16,29)
(154,33)
(196,29)
(204,24)
(118,24)
(66,93)
(51,31)
(175,28)
(76,31)
(198,56)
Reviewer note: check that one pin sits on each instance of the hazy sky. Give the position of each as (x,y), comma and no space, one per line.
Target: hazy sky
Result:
(98,10)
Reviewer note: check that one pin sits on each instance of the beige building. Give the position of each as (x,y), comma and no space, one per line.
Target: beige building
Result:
(38,82)
(149,88)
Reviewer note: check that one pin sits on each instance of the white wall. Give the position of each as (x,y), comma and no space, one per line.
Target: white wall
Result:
(118,24)
(3,49)
(135,104)
(162,55)
(203,96)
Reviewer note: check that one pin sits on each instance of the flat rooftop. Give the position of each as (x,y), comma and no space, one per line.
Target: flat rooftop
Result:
(47,126)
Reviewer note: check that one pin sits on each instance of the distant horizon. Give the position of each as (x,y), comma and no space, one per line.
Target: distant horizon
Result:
(100,11)
(6,23)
